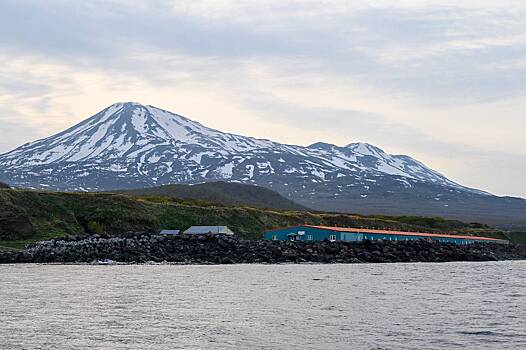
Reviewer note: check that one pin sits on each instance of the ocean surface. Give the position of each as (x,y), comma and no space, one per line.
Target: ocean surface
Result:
(368,306)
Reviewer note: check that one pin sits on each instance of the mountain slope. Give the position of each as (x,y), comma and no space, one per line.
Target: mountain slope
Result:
(154,146)
(226,193)
(129,145)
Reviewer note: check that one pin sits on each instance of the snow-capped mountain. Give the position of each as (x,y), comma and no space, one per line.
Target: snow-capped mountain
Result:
(129,145)
(154,146)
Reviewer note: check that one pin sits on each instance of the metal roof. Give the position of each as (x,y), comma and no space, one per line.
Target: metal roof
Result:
(170,232)
(388,232)
(209,229)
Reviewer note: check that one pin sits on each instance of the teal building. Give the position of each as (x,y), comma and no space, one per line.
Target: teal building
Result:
(310,233)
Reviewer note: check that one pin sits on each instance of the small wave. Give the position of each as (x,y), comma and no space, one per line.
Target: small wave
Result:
(515,295)
(485,333)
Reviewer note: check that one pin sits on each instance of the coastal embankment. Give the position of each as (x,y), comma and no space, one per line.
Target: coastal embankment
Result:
(210,249)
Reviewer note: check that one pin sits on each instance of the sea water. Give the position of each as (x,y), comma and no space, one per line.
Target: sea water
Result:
(362,306)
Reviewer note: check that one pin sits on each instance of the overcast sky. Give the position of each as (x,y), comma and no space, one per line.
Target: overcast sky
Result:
(442,81)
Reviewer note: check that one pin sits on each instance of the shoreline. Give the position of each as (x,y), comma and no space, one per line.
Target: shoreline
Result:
(142,248)
(166,263)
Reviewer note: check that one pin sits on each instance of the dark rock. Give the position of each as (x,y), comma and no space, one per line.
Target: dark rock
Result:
(209,249)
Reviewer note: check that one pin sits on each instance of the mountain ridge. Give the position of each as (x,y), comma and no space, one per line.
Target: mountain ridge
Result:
(148,124)
(225,193)
(130,145)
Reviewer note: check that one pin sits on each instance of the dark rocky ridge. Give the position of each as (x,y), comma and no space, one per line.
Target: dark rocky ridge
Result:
(141,248)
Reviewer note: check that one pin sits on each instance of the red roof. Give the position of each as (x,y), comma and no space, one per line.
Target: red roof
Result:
(404,233)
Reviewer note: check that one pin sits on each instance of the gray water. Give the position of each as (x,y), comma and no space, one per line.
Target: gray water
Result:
(370,306)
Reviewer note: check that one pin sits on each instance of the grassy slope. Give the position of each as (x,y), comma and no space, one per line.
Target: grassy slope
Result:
(227,193)
(516,237)
(28,216)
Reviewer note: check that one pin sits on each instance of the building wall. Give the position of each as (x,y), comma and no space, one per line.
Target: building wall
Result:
(307,234)
(393,237)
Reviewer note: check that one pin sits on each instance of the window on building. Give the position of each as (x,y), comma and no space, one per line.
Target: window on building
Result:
(309,237)
(301,233)
(332,238)
(274,237)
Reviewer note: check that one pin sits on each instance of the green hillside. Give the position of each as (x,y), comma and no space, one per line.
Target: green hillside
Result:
(27,216)
(227,193)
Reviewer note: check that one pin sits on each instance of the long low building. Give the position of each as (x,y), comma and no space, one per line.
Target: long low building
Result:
(321,233)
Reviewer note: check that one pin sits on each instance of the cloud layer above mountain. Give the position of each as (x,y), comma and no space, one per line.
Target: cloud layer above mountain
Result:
(438,80)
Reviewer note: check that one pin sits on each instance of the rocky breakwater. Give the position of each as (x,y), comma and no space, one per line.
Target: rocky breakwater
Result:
(209,249)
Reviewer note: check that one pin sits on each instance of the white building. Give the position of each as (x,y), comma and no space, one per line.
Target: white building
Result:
(203,230)
(170,232)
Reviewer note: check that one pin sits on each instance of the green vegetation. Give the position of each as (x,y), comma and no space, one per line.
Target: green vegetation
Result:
(28,216)
(516,237)
(95,227)
(225,193)
(437,223)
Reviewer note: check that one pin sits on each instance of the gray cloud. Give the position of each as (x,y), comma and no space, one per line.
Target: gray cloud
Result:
(440,54)
(431,56)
